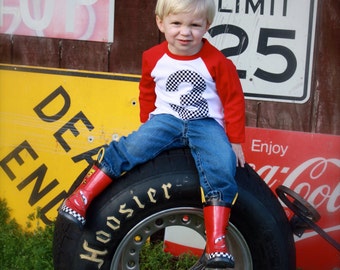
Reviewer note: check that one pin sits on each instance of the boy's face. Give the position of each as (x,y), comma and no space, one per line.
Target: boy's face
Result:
(184,32)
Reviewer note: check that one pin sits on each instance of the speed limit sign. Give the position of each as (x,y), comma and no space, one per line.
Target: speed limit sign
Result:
(271,43)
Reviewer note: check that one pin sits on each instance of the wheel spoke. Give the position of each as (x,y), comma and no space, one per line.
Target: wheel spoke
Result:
(127,254)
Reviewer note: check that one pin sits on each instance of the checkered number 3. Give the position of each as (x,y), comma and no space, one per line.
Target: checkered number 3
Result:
(193,105)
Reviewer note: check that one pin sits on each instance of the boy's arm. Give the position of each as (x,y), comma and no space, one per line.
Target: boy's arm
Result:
(147,95)
(232,97)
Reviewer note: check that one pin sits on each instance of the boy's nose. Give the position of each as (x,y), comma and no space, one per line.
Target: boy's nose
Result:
(185,30)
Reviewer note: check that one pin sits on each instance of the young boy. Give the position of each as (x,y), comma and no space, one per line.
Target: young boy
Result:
(190,95)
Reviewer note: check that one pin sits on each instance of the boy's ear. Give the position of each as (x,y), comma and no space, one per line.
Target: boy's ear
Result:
(159,22)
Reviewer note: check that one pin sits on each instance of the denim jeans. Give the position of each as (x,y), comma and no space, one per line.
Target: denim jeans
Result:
(214,158)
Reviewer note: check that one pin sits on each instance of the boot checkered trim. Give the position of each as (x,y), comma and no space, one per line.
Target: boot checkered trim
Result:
(215,255)
(222,255)
(73,213)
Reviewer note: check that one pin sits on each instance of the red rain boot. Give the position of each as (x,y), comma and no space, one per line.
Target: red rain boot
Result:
(216,219)
(75,206)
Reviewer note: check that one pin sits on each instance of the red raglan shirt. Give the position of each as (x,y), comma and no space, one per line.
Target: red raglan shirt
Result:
(192,87)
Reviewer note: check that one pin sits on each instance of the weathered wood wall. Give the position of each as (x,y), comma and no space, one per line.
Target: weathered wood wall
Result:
(135,31)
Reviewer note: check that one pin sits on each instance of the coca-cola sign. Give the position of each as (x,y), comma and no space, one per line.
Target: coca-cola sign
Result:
(309,164)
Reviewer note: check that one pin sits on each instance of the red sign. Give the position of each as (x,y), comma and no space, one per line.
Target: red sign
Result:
(309,164)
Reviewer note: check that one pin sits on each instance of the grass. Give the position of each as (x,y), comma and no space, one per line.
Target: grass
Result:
(24,249)
(153,257)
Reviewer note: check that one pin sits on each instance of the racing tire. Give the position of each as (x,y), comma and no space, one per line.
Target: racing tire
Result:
(165,192)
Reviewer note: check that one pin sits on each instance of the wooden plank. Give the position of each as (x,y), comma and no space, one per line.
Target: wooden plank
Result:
(35,51)
(327,70)
(5,49)
(135,31)
(84,55)
(277,115)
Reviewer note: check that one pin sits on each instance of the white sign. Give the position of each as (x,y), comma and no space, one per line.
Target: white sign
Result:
(271,43)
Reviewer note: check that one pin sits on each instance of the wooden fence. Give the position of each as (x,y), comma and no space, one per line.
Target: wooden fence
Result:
(136,31)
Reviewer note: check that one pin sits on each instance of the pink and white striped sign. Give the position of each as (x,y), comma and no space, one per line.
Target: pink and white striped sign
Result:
(90,20)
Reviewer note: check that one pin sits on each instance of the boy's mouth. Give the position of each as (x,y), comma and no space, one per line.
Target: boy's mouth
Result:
(184,41)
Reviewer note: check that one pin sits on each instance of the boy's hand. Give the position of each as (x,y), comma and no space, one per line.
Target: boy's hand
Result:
(239,154)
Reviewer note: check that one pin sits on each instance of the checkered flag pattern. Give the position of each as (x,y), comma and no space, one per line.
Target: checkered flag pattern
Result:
(193,105)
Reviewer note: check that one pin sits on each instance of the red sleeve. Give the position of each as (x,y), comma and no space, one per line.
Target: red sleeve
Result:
(147,95)
(230,91)
(232,97)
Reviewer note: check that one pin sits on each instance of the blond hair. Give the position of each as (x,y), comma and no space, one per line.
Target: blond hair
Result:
(197,7)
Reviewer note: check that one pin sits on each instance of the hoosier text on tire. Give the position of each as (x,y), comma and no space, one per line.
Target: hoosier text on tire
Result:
(165,192)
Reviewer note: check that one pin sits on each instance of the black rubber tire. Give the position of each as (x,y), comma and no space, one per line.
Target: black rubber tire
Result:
(146,191)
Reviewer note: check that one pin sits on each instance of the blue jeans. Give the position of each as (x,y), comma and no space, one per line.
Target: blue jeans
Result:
(214,158)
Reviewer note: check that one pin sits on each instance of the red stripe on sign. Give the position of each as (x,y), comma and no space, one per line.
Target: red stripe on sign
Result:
(176,249)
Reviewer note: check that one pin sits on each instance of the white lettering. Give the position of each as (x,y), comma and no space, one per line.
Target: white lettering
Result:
(268,148)
(71,10)
(39,16)
(115,225)
(267,173)
(151,194)
(166,189)
(136,199)
(9,10)
(39,21)
(103,237)
(93,254)
(333,199)
(306,185)
(123,210)
(253,6)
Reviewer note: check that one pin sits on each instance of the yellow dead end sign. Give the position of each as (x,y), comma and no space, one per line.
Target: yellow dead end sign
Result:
(52,123)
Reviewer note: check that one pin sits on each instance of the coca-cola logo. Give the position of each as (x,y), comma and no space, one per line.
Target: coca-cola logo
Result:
(310,180)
